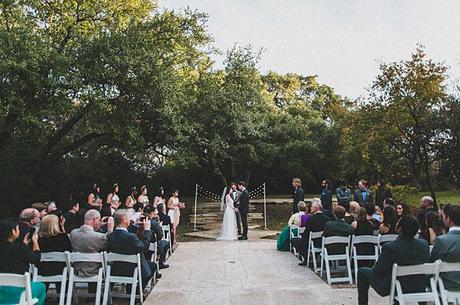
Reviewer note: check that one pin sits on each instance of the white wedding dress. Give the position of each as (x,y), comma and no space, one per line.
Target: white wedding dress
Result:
(229,228)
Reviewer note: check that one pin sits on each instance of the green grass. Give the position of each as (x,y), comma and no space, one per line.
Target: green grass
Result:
(441,197)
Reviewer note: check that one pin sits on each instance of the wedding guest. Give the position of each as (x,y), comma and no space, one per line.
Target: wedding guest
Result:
(435,226)
(383,191)
(130,202)
(174,206)
(388,202)
(143,198)
(343,193)
(363,195)
(348,217)
(298,194)
(112,198)
(165,220)
(94,198)
(60,216)
(354,209)
(295,218)
(41,208)
(362,226)
(390,219)
(15,257)
(284,237)
(326,196)
(426,205)
(337,227)
(447,247)
(159,197)
(402,209)
(403,251)
(157,236)
(28,221)
(50,206)
(370,211)
(306,216)
(52,239)
(138,209)
(72,218)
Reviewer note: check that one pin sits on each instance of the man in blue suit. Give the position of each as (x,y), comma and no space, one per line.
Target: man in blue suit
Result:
(123,242)
(404,251)
(447,247)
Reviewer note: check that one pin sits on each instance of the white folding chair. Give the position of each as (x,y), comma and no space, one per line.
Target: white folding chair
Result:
(386,238)
(153,247)
(326,258)
(167,236)
(359,240)
(81,258)
(22,281)
(448,295)
(431,295)
(312,250)
(54,257)
(294,232)
(135,280)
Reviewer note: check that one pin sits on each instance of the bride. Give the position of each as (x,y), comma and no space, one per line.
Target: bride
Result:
(229,228)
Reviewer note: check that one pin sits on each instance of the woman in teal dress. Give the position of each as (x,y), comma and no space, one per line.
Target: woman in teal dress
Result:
(15,257)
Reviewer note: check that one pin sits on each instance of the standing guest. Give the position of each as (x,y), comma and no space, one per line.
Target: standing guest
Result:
(123,242)
(88,239)
(174,206)
(298,194)
(131,201)
(157,236)
(337,227)
(390,219)
(94,198)
(343,193)
(72,217)
(112,198)
(435,226)
(28,221)
(315,223)
(383,191)
(402,209)
(447,247)
(15,257)
(326,196)
(426,205)
(363,195)
(404,251)
(143,198)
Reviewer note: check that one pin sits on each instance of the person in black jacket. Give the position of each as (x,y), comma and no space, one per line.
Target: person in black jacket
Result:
(337,227)
(298,194)
(404,251)
(123,242)
(383,192)
(243,208)
(426,205)
(326,197)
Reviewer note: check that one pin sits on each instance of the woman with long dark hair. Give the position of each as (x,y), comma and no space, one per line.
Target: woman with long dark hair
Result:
(94,198)
(402,209)
(112,203)
(434,225)
(15,257)
(390,219)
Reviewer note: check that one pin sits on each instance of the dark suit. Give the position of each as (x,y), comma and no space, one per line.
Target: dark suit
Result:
(447,248)
(297,196)
(123,242)
(382,193)
(403,252)
(243,207)
(315,223)
(363,197)
(337,228)
(326,200)
(236,195)
(421,218)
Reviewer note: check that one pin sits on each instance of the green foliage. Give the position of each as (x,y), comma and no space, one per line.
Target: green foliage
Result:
(402,193)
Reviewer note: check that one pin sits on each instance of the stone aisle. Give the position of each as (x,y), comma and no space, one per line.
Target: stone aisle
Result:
(243,272)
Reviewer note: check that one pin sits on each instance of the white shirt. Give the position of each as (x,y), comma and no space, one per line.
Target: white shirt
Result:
(454,229)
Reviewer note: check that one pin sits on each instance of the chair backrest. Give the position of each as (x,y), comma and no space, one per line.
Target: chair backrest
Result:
(336,240)
(153,247)
(116,257)
(85,257)
(60,257)
(19,280)
(387,237)
(365,239)
(314,235)
(427,269)
(448,267)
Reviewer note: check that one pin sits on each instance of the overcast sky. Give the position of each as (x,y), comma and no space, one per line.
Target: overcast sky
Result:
(338,40)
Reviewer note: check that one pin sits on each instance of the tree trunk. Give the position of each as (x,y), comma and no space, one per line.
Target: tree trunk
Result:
(219,174)
(429,182)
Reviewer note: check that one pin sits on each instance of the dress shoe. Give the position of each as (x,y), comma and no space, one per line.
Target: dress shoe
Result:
(304,263)
(163,266)
(242,238)
(239,233)
(158,276)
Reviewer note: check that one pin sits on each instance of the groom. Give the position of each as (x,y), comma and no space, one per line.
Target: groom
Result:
(243,207)
(236,195)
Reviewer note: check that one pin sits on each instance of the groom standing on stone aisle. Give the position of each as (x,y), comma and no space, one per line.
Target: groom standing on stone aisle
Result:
(236,195)
(243,207)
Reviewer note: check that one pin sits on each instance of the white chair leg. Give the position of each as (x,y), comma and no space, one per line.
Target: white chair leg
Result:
(322,264)
(328,271)
(70,289)
(98,288)
(350,276)
(63,287)
(133,294)
(308,256)
(106,288)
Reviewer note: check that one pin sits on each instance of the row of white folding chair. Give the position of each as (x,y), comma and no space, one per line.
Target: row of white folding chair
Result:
(294,232)
(357,240)
(448,295)
(312,250)
(167,236)
(22,281)
(54,257)
(326,258)
(153,247)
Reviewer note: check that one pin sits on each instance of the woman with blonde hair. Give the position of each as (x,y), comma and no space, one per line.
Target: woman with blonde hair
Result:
(51,238)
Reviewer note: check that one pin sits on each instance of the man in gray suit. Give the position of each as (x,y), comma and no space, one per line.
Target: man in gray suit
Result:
(447,247)
(86,239)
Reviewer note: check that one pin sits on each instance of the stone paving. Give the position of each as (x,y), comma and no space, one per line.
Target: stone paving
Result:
(244,272)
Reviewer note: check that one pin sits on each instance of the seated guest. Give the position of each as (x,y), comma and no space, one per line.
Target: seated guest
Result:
(404,251)
(123,242)
(50,206)
(447,247)
(362,226)
(157,236)
(314,224)
(71,217)
(354,209)
(61,218)
(389,202)
(390,218)
(402,209)
(370,210)
(337,227)
(435,226)
(52,239)
(138,210)
(15,257)
(41,208)
(348,217)
(426,205)
(28,220)
(306,216)
(295,218)
(165,220)
(88,239)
